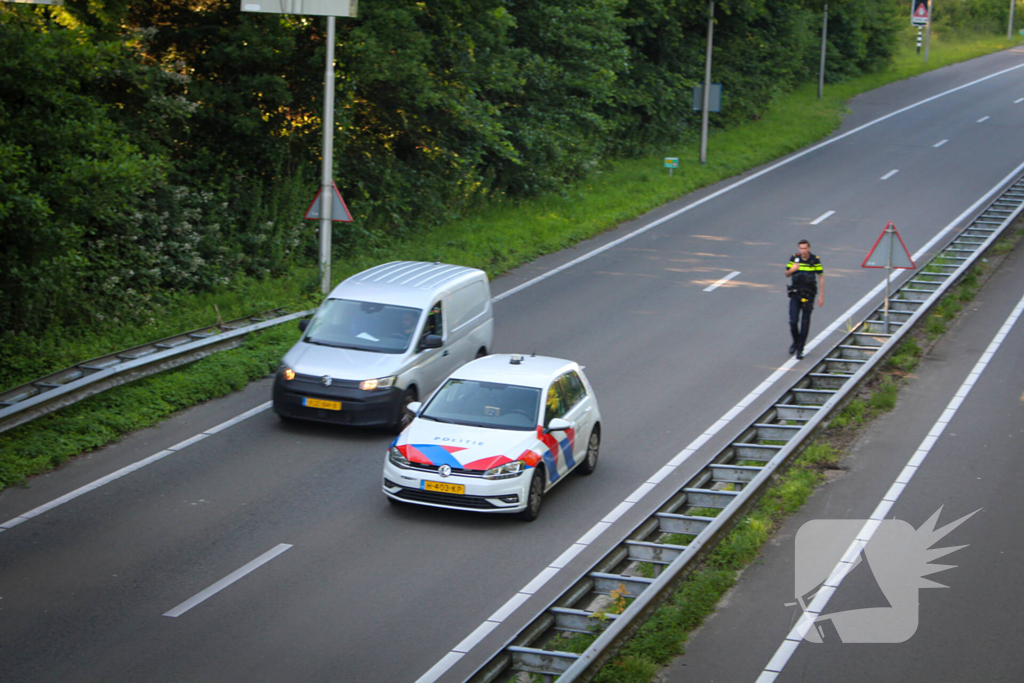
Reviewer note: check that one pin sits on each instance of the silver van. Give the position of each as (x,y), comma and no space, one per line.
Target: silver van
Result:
(382,339)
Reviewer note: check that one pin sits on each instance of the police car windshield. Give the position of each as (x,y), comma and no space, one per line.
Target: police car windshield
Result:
(485,404)
(363,325)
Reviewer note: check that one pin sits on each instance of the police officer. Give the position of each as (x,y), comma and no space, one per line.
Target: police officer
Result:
(808,280)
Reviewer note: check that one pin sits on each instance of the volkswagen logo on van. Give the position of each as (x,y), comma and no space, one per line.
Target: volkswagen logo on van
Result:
(444,470)
(326,381)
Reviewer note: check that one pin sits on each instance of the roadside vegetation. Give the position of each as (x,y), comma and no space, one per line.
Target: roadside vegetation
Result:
(496,237)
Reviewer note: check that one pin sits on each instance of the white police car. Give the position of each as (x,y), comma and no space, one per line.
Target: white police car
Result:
(496,436)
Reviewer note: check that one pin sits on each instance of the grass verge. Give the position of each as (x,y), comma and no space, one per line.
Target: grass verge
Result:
(496,238)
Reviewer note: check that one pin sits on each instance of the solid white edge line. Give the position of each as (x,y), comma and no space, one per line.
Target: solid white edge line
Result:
(744,181)
(788,647)
(508,608)
(593,533)
(92,486)
(566,557)
(470,641)
(890,174)
(231,578)
(1018,100)
(619,510)
(940,143)
(722,281)
(822,217)
(436,671)
(538,581)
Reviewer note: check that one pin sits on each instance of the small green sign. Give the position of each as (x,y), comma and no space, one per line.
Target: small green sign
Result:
(671,162)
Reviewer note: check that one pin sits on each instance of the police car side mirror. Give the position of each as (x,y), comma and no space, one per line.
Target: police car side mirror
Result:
(414,407)
(430,341)
(557,424)
(303,324)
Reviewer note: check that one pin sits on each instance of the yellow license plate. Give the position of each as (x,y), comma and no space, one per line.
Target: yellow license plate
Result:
(442,487)
(317,403)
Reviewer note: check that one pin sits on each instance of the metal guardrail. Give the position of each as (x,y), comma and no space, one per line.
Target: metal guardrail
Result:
(683,529)
(70,385)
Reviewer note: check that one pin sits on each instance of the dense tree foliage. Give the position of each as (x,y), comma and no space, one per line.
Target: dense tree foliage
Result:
(149,147)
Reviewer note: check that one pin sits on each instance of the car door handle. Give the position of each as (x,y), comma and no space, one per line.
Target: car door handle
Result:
(445,352)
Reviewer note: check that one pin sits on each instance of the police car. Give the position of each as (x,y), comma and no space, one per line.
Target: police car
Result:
(496,436)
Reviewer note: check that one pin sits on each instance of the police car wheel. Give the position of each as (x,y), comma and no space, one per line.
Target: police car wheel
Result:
(534,495)
(589,463)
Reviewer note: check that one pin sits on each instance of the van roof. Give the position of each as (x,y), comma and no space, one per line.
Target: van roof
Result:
(403,283)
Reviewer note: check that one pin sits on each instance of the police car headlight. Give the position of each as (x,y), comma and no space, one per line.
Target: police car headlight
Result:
(396,458)
(379,383)
(509,469)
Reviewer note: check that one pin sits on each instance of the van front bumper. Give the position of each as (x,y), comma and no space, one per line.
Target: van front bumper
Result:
(365,408)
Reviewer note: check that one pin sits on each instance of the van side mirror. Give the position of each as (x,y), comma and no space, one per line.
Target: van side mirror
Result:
(557,424)
(430,341)
(303,324)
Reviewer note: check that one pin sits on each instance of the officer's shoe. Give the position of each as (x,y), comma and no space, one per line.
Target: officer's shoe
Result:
(792,348)
(800,354)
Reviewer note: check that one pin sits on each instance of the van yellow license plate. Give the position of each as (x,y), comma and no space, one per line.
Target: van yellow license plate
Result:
(442,487)
(318,403)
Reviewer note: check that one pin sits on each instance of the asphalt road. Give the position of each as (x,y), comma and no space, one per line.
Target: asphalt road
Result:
(967,631)
(367,592)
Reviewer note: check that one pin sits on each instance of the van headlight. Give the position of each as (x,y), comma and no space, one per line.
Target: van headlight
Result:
(506,471)
(287,373)
(379,383)
(396,458)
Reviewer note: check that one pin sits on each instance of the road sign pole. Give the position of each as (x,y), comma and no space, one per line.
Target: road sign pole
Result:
(888,273)
(327,167)
(928,31)
(821,69)
(707,87)
(1009,28)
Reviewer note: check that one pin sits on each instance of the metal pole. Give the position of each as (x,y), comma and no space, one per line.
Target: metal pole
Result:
(707,87)
(888,275)
(928,31)
(821,69)
(327,167)
(1009,28)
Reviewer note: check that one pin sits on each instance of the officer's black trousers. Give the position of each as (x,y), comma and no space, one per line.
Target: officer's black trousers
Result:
(799,324)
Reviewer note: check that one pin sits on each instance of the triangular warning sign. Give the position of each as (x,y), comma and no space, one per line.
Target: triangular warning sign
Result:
(339,210)
(880,258)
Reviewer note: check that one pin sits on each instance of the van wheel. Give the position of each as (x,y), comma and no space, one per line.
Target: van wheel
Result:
(481,352)
(589,464)
(534,495)
(404,417)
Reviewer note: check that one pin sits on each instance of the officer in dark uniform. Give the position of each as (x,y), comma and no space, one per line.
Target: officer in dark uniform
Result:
(808,281)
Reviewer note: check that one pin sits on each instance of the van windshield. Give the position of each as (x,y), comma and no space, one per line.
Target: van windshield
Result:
(485,404)
(364,326)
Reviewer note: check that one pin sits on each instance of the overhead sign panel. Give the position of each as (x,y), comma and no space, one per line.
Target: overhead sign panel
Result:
(919,12)
(320,8)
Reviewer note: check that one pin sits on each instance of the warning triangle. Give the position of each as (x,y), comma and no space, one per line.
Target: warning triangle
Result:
(339,210)
(880,257)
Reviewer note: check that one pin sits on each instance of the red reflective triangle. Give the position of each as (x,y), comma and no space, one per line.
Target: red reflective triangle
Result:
(900,258)
(339,210)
